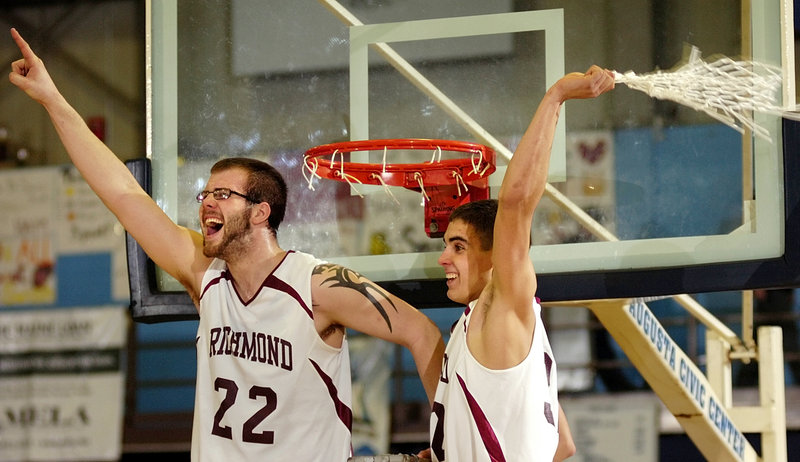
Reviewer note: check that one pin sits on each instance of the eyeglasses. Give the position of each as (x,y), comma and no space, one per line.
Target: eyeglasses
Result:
(221,194)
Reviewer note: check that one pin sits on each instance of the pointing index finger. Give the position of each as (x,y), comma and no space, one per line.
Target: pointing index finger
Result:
(27,53)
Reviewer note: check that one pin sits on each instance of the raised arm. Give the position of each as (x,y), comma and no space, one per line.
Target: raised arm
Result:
(343,297)
(175,249)
(525,180)
(513,283)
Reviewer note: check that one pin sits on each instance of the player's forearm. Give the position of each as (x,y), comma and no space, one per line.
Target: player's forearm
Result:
(106,174)
(428,352)
(526,174)
(100,167)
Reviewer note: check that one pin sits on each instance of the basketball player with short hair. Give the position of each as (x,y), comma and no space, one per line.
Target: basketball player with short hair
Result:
(497,398)
(273,371)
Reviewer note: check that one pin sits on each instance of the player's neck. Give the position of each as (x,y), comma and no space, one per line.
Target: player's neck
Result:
(250,270)
(260,258)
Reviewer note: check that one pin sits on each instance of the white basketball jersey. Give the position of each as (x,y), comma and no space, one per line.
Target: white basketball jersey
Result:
(495,415)
(268,387)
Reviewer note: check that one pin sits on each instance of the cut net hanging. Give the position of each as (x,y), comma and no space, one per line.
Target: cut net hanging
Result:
(727,90)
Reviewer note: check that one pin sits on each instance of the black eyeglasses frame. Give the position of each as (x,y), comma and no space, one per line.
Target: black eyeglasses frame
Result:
(221,194)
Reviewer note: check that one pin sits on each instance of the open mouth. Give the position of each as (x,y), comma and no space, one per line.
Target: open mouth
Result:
(213,225)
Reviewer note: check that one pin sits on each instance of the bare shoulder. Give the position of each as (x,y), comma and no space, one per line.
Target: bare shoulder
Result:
(331,282)
(331,275)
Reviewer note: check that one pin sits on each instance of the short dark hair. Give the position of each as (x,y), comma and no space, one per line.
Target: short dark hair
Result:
(264,183)
(480,216)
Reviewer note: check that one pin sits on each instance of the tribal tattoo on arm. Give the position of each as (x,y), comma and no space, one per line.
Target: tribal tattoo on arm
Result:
(345,277)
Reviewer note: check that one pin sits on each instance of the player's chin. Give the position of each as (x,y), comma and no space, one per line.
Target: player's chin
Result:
(455,295)
(210,248)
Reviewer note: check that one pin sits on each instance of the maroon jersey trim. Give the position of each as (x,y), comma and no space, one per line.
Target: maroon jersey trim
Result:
(271,282)
(345,413)
(488,436)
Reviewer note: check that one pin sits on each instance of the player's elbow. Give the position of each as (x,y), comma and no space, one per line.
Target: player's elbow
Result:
(519,191)
(427,346)
(427,339)
(520,199)
(566,449)
(570,450)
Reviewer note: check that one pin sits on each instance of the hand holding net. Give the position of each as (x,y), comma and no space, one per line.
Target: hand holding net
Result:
(727,90)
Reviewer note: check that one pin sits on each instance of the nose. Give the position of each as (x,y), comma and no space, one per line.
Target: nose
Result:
(443,258)
(208,202)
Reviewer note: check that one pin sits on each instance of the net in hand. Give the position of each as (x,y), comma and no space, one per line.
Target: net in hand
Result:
(727,90)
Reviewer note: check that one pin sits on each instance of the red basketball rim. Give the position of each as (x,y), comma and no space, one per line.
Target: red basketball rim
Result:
(471,169)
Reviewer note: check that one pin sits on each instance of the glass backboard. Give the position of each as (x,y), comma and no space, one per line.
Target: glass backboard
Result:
(646,197)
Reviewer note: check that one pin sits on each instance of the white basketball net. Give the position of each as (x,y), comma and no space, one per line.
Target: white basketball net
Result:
(727,90)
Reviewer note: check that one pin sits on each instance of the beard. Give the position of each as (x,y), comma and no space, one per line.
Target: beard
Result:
(234,242)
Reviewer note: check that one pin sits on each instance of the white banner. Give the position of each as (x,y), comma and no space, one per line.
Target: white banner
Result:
(62,384)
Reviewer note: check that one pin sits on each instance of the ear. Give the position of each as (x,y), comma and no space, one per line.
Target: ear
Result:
(259,213)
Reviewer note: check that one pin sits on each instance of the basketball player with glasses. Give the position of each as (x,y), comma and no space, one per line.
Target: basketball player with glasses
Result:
(497,398)
(273,371)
